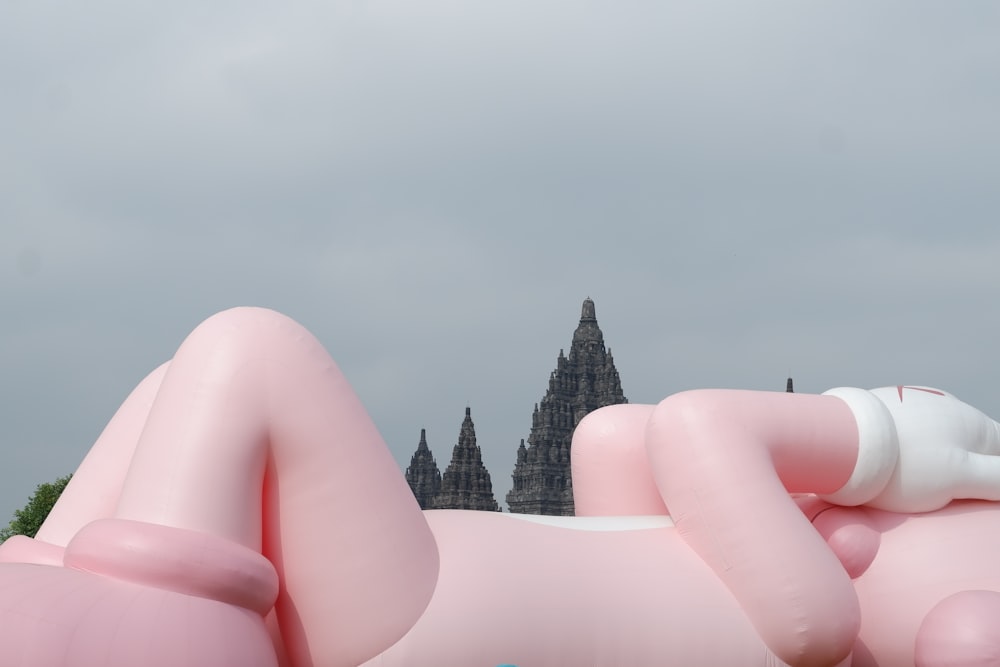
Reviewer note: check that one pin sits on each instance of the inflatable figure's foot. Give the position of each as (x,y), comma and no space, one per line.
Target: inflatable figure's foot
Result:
(139,594)
(963,630)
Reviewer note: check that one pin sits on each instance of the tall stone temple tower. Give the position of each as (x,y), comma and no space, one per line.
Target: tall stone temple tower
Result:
(581,382)
(423,475)
(466,483)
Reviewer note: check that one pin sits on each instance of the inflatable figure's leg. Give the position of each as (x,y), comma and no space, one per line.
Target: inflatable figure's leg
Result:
(962,630)
(725,462)
(612,477)
(610,466)
(255,442)
(96,485)
(255,426)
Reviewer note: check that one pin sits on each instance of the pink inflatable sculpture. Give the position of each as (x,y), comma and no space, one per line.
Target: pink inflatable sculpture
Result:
(241,509)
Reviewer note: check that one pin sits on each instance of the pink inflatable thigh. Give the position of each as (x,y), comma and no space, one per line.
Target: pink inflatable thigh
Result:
(257,438)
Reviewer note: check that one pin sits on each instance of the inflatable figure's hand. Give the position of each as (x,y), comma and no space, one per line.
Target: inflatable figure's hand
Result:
(920,448)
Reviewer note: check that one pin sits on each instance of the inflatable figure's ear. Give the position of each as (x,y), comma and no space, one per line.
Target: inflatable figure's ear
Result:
(853,539)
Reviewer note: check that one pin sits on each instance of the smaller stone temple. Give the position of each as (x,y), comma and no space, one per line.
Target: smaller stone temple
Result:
(423,475)
(466,483)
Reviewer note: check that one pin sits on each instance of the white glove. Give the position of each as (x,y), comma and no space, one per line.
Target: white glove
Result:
(920,448)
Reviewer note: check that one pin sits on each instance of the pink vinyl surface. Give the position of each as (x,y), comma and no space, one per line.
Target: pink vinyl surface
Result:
(242,509)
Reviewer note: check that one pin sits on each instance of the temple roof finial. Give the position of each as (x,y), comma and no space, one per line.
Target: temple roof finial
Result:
(587,330)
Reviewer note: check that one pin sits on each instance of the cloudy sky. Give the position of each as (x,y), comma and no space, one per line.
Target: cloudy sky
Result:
(747,191)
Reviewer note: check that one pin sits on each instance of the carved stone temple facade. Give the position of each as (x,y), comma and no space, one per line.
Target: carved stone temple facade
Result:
(583,380)
(423,475)
(466,483)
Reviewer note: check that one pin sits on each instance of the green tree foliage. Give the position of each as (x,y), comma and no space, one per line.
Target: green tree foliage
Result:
(28,520)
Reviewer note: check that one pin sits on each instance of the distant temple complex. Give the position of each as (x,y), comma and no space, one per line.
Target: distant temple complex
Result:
(466,483)
(583,380)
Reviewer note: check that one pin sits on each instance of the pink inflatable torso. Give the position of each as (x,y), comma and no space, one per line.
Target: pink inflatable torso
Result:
(241,509)
(513,591)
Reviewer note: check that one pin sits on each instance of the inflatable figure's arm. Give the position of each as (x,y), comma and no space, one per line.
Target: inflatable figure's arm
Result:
(725,463)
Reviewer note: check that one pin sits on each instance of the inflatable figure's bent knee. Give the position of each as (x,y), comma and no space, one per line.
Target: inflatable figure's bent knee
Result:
(258,421)
(610,467)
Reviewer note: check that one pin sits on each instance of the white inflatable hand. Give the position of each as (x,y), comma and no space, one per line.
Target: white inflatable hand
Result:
(920,449)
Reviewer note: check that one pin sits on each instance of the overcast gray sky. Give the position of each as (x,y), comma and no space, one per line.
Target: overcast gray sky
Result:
(747,191)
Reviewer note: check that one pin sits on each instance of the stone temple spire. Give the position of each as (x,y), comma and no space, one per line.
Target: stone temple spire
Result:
(466,483)
(583,381)
(423,475)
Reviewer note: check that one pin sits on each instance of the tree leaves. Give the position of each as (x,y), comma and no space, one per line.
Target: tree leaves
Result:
(28,520)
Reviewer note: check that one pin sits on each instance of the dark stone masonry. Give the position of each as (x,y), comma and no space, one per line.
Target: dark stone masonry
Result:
(466,483)
(423,475)
(582,381)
